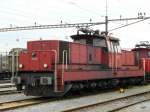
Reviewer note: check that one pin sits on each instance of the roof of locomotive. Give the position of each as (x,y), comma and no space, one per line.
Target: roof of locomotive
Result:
(137,49)
(87,36)
(80,36)
(46,41)
(143,45)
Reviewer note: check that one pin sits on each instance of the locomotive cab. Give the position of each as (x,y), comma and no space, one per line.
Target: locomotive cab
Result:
(111,50)
(91,37)
(142,52)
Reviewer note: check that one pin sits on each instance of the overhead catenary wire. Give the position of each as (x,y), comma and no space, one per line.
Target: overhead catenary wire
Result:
(129,24)
(72,3)
(74,25)
(77,25)
(30,17)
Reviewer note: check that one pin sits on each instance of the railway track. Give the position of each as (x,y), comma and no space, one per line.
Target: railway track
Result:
(7,92)
(7,86)
(109,105)
(21,103)
(112,105)
(34,101)
(11,105)
(129,105)
(4,81)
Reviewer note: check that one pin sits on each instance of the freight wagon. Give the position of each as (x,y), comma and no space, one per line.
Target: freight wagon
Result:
(8,63)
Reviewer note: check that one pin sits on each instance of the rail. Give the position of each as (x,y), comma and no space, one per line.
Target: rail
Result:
(22,103)
(8,92)
(111,105)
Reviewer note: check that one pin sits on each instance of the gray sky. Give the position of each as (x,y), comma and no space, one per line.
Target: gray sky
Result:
(27,12)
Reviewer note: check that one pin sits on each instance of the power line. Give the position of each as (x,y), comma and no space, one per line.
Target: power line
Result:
(76,25)
(129,24)
(81,8)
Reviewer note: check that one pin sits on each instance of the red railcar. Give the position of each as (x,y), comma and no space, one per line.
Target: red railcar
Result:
(53,67)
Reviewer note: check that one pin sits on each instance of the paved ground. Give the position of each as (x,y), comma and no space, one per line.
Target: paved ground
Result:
(5,89)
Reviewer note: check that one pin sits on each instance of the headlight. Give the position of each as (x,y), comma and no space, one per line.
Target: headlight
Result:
(20,65)
(45,65)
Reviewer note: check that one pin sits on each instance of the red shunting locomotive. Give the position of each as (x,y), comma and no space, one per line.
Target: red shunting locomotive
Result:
(92,60)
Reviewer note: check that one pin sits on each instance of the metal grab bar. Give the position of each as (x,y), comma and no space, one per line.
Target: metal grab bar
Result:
(116,57)
(65,56)
(144,69)
(55,71)
(55,66)
(64,63)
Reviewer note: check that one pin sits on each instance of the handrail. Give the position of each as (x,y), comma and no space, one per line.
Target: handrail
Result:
(17,62)
(64,63)
(116,55)
(65,54)
(144,69)
(55,71)
(55,66)
(112,57)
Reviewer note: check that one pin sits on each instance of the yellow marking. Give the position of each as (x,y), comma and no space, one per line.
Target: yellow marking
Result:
(121,90)
(17,104)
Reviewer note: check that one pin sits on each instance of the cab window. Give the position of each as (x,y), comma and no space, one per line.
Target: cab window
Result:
(148,53)
(114,47)
(99,42)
